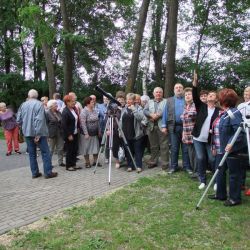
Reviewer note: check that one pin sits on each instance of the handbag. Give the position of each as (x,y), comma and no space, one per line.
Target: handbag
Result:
(20,136)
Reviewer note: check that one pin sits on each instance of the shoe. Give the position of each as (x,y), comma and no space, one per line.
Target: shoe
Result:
(214,197)
(202,186)
(62,165)
(52,175)
(87,165)
(189,171)
(117,165)
(215,187)
(106,161)
(152,164)
(129,170)
(247,193)
(98,164)
(194,176)
(37,176)
(231,203)
(164,167)
(171,171)
(70,169)
(18,152)
(77,167)
(8,153)
(139,170)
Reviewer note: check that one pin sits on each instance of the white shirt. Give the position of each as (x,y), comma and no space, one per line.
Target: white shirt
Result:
(203,137)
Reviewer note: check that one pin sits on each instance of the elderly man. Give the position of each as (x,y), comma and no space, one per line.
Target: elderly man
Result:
(172,125)
(31,116)
(158,140)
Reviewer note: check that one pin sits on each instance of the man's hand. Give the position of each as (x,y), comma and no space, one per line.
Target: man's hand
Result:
(164,131)
(37,138)
(195,79)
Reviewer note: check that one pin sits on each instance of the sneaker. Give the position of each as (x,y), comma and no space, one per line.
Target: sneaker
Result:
(230,203)
(129,170)
(202,186)
(117,165)
(18,152)
(215,187)
(171,171)
(139,170)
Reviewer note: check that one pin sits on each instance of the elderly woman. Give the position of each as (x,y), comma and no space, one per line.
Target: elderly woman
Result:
(8,120)
(91,130)
(54,122)
(131,119)
(224,128)
(70,125)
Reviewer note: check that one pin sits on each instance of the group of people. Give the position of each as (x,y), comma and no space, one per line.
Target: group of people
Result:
(197,123)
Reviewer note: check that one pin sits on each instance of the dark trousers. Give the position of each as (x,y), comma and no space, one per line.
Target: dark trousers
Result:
(136,148)
(71,151)
(235,179)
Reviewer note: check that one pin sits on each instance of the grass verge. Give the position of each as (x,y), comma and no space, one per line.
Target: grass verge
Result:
(1,133)
(153,213)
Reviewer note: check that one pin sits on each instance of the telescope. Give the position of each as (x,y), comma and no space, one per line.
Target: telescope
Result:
(110,97)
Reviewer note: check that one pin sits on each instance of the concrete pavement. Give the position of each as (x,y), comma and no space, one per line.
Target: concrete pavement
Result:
(24,200)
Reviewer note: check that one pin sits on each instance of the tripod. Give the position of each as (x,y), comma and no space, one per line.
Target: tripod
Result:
(110,125)
(243,126)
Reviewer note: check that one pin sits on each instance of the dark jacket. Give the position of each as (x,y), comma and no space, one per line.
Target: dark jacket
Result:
(68,123)
(202,114)
(227,129)
(54,125)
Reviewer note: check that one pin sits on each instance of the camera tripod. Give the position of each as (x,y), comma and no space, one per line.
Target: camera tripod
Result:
(110,125)
(243,126)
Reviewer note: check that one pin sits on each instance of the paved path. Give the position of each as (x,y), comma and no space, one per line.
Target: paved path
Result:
(24,200)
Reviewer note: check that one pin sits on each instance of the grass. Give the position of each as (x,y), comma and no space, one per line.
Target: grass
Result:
(153,213)
(1,133)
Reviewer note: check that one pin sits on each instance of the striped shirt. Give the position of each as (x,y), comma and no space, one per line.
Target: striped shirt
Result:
(188,118)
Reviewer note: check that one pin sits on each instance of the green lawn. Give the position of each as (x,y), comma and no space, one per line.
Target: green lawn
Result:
(1,133)
(153,213)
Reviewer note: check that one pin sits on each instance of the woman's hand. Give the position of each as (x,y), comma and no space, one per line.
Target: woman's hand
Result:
(228,148)
(195,79)
(86,136)
(70,138)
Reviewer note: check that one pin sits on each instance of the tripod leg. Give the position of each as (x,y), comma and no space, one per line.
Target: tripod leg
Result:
(103,144)
(110,145)
(248,142)
(219,167)
(125,142)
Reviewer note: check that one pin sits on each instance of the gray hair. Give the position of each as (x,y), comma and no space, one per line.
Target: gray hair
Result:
(51,103)
(130,96)
(158,88)
(33,94)
(2,105)
(145,98)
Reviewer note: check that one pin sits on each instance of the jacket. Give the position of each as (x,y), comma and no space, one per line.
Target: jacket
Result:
(202,114)
(68,123)
(54,125)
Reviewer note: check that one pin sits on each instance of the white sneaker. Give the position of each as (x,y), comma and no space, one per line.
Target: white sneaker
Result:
(215,187)
(202,186)
(117,165)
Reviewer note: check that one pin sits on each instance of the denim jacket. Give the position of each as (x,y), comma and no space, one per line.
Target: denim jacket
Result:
(227,129)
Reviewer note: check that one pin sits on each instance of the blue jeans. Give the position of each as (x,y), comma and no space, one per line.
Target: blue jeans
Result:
(176,142)
(202,150)
(46,157)
(235,179)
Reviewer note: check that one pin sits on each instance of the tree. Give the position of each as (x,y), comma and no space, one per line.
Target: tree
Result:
(171,46)
(137,46)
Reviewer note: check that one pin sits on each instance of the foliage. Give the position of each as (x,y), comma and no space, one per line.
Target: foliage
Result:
(153,213)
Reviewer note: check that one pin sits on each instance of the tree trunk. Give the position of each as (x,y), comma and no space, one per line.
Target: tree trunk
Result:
(137,46)
(68,50)
(50,68)
(171,47)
